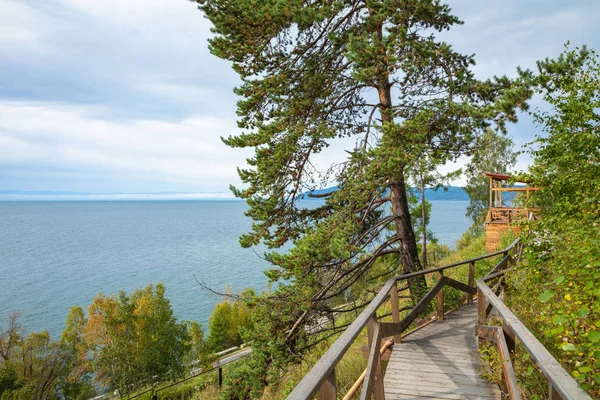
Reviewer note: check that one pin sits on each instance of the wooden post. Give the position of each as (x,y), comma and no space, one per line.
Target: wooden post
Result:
(509,337)
(328,388)
(440,299)
(491,191)
(378,390)
(395,309)
(471,281)
(553,394)
(481,308)
(220,376)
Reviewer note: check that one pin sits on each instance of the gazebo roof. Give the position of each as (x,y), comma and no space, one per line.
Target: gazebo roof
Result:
(501,177)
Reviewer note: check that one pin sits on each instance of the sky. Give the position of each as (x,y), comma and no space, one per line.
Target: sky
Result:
(123,96)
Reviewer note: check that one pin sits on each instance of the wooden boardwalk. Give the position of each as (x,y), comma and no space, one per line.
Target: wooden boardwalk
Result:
(439,361)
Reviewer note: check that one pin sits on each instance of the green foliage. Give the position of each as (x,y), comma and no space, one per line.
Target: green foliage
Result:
(133,339)
(493,153)
(9,379)
(31,366)
(226,324)
(561,265)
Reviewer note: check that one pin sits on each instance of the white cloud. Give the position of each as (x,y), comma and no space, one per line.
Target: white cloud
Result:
(70,138)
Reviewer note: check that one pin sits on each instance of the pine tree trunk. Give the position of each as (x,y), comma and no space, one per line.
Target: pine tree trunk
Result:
(409,252)
(424,224)
(404,231)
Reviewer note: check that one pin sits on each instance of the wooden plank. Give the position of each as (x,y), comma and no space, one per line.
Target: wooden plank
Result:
(412,396)
(373,384)
(440,369)
(471,282)
(412,387)
(438,360)
(328,390)
(440,297)
(440,380)
(560,379)
(441,395)
(461,286)
(507,368)
(395,309)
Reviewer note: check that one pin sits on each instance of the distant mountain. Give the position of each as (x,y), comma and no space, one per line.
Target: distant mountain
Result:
(453,193)
(448,193)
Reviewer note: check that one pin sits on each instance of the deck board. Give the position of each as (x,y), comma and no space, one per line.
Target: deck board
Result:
(439,361)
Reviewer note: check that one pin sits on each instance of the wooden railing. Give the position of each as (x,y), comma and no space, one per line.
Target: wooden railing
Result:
(560,384)
(320,380)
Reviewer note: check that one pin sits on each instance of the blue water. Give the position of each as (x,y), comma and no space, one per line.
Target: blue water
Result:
(57,254)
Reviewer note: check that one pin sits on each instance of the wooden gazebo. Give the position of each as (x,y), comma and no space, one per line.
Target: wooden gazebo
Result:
(503,212)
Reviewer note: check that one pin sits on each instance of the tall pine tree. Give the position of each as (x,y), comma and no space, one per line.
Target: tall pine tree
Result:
(370,72)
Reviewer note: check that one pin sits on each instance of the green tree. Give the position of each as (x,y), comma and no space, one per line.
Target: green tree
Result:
(494,153)
(9,379)
(315,72)
(133,339)
(199,353)
(226,324)
(556,285)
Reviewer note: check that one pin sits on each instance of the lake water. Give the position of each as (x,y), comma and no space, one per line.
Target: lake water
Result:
(57,254)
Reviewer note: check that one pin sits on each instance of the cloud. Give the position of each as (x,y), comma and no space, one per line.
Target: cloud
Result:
(119,95)
(67,139)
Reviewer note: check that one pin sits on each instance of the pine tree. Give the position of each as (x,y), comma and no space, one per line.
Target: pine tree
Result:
(315,73)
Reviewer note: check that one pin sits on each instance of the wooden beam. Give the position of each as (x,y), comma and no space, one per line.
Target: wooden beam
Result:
(471,282)
(440,297)
(461,286)
(328,390)
(508,371)
(395,309)
(373,384)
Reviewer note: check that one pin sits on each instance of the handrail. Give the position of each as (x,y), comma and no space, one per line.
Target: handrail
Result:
(558,379)
(323,369)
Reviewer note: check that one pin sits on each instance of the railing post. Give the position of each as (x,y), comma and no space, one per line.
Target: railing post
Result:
(481,308)
(395,309)
(378,390)
(471,281)
(328,390)
(220,376)
(440,299)
(510,338)
(553,394)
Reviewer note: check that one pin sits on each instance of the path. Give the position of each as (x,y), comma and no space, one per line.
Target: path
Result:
(439,361)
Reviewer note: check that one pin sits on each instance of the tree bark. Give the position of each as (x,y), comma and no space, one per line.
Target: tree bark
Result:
(409,252)
(424,224)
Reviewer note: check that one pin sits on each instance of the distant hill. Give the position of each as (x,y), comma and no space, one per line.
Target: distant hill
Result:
(453,193)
